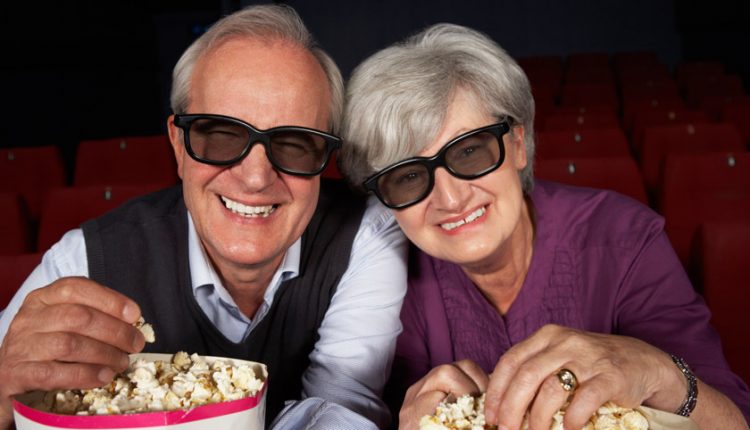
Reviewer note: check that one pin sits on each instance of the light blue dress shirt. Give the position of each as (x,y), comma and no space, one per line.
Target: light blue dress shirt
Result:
(350,362)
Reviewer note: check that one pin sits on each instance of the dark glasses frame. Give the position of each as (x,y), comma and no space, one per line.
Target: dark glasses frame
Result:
(438,160)
(255,136)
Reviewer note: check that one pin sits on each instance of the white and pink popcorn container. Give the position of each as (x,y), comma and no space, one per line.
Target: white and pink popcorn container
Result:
(247,413)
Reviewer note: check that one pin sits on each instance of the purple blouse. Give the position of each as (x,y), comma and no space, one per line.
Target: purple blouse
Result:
(601,263)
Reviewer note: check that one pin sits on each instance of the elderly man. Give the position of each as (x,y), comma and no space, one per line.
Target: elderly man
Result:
(252,257)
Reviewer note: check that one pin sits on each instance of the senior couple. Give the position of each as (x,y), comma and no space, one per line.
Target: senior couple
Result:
(532,292)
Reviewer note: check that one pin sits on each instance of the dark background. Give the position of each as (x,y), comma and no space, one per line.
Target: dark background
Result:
(94,69)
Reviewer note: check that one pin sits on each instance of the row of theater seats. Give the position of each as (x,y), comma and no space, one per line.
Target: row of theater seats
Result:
(137,160)
(677,142)
(38,203)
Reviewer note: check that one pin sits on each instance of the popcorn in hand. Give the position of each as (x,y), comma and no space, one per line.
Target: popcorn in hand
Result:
(146,329)
(467,413)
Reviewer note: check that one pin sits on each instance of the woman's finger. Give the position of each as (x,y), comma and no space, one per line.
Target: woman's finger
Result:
(475,373)
(550,398)
(509,364)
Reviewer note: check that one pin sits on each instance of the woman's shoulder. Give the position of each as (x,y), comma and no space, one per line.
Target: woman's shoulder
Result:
(589,216)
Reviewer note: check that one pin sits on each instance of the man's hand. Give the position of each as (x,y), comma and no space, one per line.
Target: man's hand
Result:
(73,333)
(459,378)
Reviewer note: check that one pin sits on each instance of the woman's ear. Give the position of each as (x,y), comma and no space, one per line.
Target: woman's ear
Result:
(517,148)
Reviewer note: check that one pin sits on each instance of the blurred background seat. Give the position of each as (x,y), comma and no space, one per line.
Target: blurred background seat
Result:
(703,137)
(31,172)
(619,174)
(15,225)
(589,93)
(15,270)
(125,160)
(724,260)
(580,121)
(66,208)
(662,116)
(737,112)
(701,188)
(598,142)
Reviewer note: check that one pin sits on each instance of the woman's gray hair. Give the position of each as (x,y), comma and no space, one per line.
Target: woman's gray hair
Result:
(264,22)
(397,99)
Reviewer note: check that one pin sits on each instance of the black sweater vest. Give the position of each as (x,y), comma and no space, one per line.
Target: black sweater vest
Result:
(140,250)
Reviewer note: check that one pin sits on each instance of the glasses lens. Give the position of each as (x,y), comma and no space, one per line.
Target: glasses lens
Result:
(474,155)
(217,139)
(298,151)
(404,184)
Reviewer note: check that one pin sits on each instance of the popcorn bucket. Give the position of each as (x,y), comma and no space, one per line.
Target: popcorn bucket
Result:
(247,413)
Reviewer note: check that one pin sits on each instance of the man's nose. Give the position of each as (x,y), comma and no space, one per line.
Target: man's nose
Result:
(255,170)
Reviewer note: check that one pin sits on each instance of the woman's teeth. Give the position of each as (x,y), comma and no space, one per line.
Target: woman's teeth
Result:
(471,217)
(248,211)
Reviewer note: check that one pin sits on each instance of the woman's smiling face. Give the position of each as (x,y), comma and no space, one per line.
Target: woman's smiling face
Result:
(469,222)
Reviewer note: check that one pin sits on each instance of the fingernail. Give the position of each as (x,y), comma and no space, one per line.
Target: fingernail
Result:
(138,342)
(106,375)
(130,312)
(124,362)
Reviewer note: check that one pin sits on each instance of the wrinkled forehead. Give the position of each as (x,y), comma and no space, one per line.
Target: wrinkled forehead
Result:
(274,81)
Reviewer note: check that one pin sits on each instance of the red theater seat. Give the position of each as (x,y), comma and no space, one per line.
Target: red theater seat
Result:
(737,111)
(643,74)
(615,173)
(724,261)
(664,116)
(580,121)
(125,160)
(15,270)
(587,93)
(32,172)
(634,104)
(602,142)
(698,89)
(700,188)
(66,208)
(15,225)
(627,59)
(660,141)
(543,70)
(689,70)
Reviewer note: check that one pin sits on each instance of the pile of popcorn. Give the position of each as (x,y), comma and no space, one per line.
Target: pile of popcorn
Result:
(148,386)
(467,413)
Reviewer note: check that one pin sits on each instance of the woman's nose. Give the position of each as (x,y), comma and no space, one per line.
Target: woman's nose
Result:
(450,193)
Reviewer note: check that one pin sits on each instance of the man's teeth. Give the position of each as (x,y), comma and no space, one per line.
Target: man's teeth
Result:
(248,211)
(472,216)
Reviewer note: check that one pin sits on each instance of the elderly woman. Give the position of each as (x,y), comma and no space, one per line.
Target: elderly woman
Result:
(536,293)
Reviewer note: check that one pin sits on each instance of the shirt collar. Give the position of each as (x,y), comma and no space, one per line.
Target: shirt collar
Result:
(202,272)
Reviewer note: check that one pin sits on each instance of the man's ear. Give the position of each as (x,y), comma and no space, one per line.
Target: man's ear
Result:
(175,138)
(517,148)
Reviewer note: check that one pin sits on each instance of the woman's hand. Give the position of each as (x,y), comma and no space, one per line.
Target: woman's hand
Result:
(621,369)
(459,378)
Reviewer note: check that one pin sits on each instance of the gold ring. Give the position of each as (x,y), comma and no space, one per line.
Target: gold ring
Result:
(567,379)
